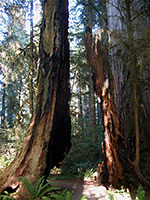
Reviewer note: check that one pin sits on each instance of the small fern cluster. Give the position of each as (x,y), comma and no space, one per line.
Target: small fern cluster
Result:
(41,191)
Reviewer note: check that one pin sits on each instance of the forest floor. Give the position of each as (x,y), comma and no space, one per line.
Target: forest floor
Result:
(90,188)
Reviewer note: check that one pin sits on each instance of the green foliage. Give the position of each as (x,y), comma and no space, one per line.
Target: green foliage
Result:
(89,173)
(6,196)
(7,148)
(10,142)
(81,162)
(111,196)
(39,190)
(45,198)
(140,193)
(5,160)
(83,198)
(15,61)
(65,194)
(118,194)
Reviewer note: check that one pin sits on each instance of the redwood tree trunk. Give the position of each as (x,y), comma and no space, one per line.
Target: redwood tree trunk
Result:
(48,138)
(121,170)
(115,154)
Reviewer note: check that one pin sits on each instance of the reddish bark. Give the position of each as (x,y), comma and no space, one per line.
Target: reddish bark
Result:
(48,138)
(114,146)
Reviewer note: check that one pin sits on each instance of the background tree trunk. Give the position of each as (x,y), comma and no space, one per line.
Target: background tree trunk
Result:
(92,98)
(31,62)
(81,107)
(131,79)
(3,106)
(48,138)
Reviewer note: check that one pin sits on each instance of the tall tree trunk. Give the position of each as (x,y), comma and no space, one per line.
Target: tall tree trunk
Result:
(80,106)
(114,148)
(135,72)
(121,169)
(3,106)
(48,138)
(10,105)
(31,62)
(92,106)
(92,98)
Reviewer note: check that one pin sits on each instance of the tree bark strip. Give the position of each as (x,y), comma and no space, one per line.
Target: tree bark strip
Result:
(48,138)
(31,62)
(91,86)
(3,106)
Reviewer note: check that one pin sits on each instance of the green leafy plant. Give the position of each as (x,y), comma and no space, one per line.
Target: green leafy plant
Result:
(6,196)
(140,193)
(65,194)
(39,190)
(89,173)
(80,162)
(111,196)
(83,198)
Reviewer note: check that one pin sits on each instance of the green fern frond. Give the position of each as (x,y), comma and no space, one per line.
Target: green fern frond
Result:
(29,186)
(43,187)
(56,196)
(83,198)
(46,198)
(39,189)
(39,184)
(68,195)
(47,188)
(65,194)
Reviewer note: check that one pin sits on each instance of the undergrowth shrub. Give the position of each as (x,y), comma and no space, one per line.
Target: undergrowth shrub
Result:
(140,193)
(39,190)
(6,196)
(84,155)
(10,143)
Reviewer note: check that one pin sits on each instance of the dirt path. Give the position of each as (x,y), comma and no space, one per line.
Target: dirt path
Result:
(79,188)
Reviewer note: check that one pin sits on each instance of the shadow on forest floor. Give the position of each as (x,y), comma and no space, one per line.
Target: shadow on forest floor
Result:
(88,187)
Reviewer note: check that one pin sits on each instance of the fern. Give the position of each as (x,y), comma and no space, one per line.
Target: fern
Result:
(83,198)
(39,184)
(42,188)
(39,190)
(65,194)
(68,195)
(46,198)
(29,186)
(46,190)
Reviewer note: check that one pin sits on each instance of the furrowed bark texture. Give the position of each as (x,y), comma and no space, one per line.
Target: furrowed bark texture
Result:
(48,138)
(132,80)
(114,147)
